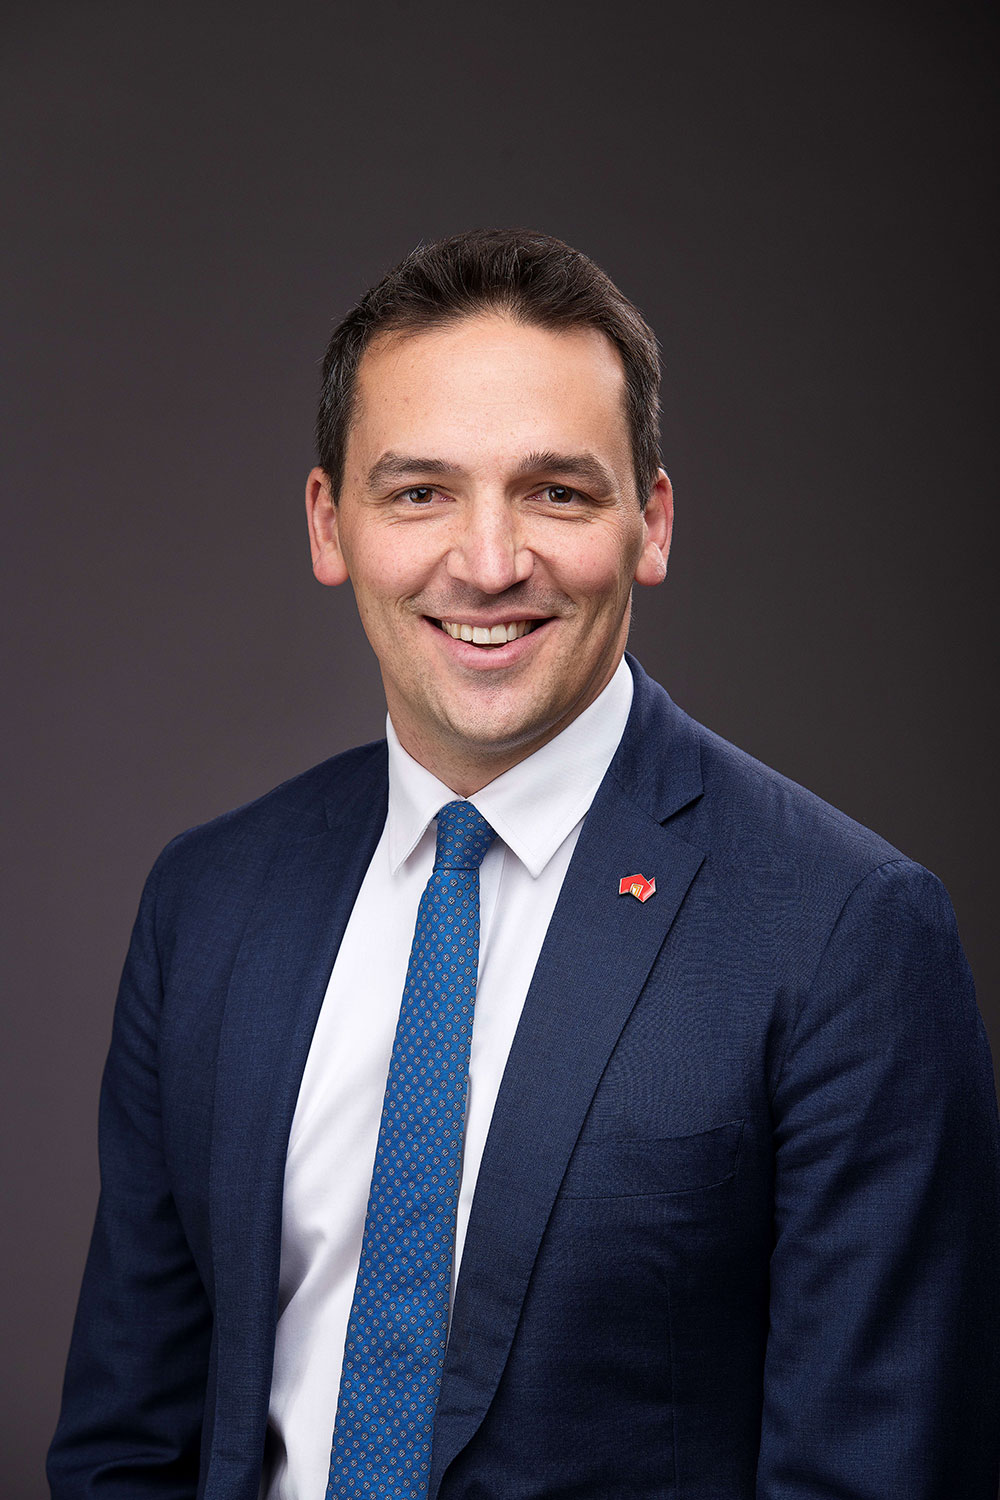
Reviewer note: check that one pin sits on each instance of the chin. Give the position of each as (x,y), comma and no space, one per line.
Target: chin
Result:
(487,734)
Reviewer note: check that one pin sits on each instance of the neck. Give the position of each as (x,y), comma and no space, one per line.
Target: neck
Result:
(463,772)
(466,767)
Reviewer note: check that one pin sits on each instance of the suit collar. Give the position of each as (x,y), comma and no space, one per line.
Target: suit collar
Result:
(358,790)
(658,764)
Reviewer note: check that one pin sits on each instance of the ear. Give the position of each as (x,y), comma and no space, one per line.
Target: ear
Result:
(324,537)
(658,525)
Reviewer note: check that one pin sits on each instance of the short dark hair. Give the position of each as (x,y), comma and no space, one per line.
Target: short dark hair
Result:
(529,277)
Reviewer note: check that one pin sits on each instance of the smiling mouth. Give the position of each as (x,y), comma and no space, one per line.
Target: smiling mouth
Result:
(487,635)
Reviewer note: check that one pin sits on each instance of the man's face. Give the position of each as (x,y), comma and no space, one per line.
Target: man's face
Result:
(489,493)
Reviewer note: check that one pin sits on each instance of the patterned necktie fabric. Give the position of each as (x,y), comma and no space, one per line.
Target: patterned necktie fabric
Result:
(398,1326)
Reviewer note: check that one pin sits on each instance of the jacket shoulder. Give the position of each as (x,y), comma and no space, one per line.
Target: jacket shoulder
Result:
(757,816)
(303,806)
(730,804)
(793,867)
(752,804)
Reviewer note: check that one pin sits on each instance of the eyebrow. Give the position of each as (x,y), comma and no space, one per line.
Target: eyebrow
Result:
(398,465)
(585,467)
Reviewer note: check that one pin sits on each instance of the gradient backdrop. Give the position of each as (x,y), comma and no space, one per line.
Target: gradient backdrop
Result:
(799,197)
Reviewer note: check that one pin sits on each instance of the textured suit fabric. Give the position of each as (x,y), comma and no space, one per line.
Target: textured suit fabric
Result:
(737,1223)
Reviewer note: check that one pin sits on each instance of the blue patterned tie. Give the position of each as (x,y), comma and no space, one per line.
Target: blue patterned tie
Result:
(396,1334)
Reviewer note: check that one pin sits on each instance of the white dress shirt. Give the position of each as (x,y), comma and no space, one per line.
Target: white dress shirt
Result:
(537,809)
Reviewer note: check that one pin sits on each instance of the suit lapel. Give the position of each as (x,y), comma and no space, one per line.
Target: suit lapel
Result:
(275,993)
(594,962)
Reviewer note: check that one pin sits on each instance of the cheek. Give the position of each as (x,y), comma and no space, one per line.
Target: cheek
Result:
(386,574)
(597,572)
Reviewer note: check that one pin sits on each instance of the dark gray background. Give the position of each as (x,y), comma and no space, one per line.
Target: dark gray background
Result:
(799,197)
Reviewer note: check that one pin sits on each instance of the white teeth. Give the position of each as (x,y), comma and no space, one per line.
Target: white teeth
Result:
(488,635)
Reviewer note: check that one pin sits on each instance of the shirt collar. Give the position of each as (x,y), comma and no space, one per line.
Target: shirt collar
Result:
(534,805)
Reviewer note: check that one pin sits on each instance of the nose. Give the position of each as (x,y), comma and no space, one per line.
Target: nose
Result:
(489,550)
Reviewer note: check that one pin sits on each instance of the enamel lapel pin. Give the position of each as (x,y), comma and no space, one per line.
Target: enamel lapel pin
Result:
(637,886)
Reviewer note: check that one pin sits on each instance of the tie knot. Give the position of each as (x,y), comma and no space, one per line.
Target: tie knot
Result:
(463,837)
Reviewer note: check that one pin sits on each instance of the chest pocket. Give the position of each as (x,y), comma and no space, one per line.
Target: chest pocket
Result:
(655,1166)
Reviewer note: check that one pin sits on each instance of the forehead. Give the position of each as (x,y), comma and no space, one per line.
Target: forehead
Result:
(487,388)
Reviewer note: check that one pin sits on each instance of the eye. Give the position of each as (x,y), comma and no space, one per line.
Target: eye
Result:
(418,494)
(560,494)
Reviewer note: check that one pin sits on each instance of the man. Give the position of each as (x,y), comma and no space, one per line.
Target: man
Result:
(550,1100)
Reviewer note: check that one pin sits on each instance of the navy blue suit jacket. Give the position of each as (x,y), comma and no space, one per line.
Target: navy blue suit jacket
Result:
(735,1232)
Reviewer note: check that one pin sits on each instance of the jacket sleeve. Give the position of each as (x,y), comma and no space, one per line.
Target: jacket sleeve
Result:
(881,1372)
(136,1377)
